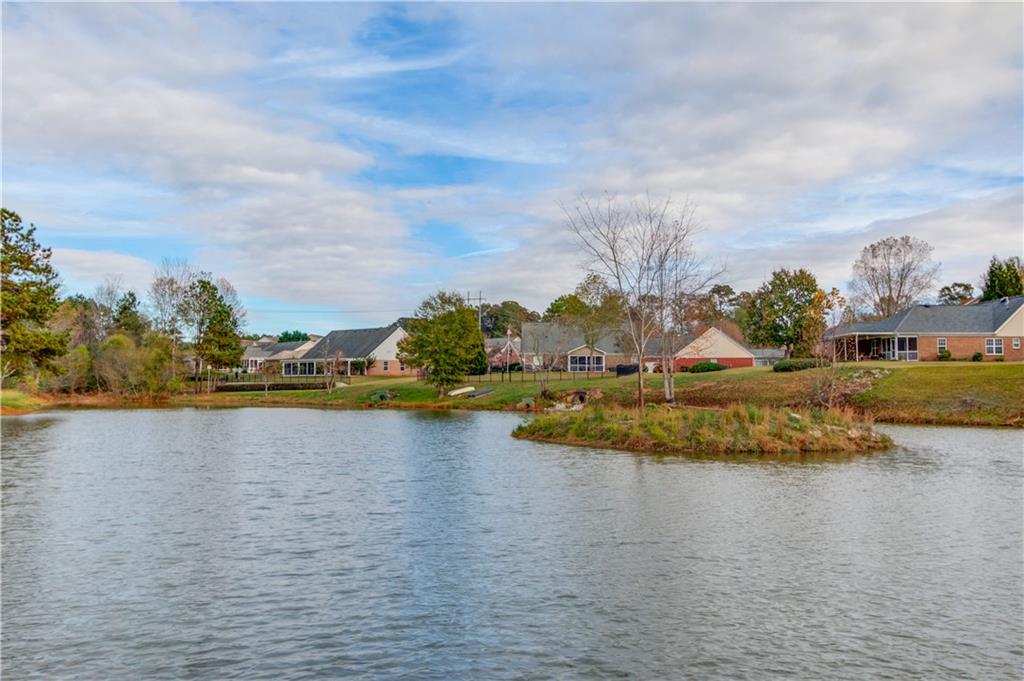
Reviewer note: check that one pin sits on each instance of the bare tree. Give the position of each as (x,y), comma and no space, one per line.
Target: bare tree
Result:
(166,294)
(644,249)
(107,295)
(892,273)
(231,297)
(268,370)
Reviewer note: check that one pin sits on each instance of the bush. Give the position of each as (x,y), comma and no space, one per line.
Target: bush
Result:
(707,366)
(682,369)
(945,355)
(977,357)
(799,364)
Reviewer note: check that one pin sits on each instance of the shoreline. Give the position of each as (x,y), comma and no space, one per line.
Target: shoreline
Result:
(975,396)
(50,403)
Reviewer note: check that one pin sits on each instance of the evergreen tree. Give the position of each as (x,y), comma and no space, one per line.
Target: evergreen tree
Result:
(28,285)
(1002,279)
(127,317)
(213,324)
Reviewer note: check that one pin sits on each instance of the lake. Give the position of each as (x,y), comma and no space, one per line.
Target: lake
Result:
(304,544)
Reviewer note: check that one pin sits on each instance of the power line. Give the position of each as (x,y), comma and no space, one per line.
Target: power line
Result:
(266,311)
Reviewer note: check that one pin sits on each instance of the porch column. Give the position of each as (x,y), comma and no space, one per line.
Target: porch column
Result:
(856,347)
(348,369)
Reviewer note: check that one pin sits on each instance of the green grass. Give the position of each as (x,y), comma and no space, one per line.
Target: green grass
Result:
(738,430)
(975,394)
(951,393)
(17,401)
(938,392)
(408,392)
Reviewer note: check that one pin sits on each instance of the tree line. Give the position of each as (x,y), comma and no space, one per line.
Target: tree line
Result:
(645,282)
(188,324)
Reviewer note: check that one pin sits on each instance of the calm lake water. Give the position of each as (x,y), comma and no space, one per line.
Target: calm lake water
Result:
(289,543)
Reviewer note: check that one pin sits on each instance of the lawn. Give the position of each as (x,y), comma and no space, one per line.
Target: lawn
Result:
(952,393)
(969,393)
(15,401)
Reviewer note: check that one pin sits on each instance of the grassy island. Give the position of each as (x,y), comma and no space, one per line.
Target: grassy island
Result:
(744,430)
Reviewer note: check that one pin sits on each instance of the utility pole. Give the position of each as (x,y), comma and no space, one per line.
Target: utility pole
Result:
(479,307)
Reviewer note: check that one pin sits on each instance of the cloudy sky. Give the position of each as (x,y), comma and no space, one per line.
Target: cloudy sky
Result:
(339,162)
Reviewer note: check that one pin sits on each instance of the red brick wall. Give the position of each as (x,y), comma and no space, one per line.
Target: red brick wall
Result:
(963,347)
(393,369)
(731,362)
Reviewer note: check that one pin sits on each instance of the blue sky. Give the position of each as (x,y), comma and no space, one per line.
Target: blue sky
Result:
(338,162)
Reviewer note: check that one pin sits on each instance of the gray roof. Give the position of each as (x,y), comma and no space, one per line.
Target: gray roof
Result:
(555,339)
(979,318)
(350,343)
(260,350)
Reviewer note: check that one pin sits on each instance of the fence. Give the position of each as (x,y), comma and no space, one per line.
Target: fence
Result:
(243,382)
(535,376)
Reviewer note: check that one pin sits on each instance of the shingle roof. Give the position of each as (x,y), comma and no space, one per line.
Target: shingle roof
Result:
(554,338)
(350,343)
(979,318)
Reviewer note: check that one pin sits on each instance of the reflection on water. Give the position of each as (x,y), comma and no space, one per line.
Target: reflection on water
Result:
(302,544)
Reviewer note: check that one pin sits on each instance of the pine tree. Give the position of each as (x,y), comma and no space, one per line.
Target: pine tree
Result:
(28,284)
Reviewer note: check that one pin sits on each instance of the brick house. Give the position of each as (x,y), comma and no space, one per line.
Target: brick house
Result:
(553,345)
(503,351)
(994,328)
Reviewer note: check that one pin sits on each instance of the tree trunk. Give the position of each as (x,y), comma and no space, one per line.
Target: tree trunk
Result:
(666,379)
(640,384)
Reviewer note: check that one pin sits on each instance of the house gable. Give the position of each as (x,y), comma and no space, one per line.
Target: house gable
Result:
(714,343)
(1014,326)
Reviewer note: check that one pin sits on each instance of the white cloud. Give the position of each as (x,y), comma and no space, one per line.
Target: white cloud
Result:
(84,270)
(802,131)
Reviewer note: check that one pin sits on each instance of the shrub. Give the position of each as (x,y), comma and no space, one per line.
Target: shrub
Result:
(977,357)
(701,367)
(945,355)
(682,369)
(799,364)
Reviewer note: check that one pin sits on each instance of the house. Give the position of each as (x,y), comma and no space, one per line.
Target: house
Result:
(346,346)
(267,348)
(553,345)
(920,332)
(714,345)
(502,352)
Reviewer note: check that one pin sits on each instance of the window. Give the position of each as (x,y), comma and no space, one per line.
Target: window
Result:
(386,365)
(586,363)
(993,346)
(906,348)
(1016,343)
(941,344)
(401,367)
